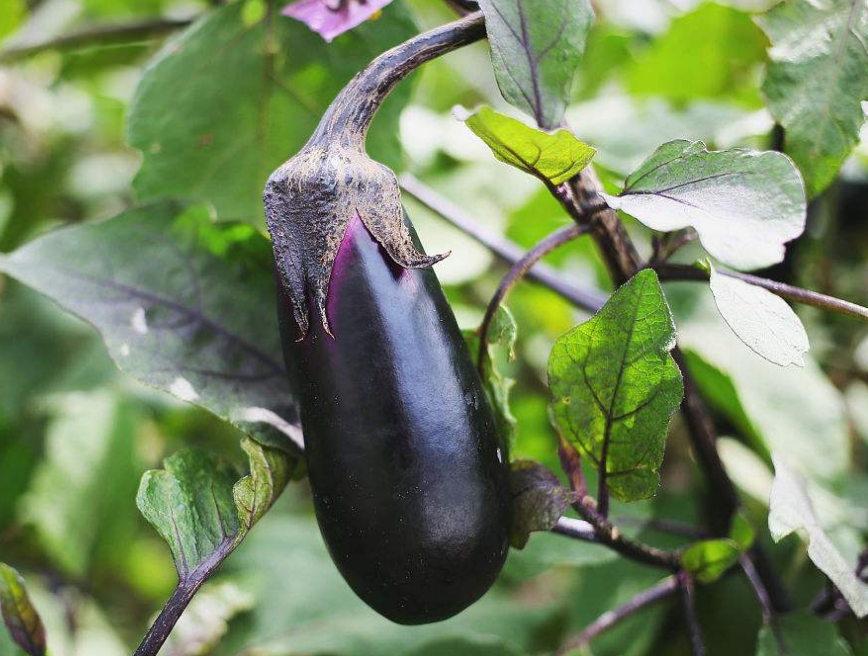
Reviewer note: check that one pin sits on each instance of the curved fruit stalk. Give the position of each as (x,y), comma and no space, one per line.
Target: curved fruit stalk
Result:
(409,483)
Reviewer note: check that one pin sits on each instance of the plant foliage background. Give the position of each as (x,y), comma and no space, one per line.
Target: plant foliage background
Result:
(173,131)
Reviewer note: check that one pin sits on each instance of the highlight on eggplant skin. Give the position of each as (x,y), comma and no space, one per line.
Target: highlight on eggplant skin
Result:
(408,478)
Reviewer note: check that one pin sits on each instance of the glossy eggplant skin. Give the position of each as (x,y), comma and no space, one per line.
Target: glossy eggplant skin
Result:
(408,478)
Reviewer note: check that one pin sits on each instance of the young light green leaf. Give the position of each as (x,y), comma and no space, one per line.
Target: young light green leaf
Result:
(538,500)
(741,532)
(267,112)
(18,612)
(801,634)
(744,204)
(502,333)
(762,320)
(535,50)
(817,80)
(184,305)
(199,509)
(615,386)
(708,560)
(790,510)
(553,158)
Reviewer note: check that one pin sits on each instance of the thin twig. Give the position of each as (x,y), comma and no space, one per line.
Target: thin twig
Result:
(504,249)
(694,631)
(666,588)
(87,36)
(789,292)
(516,272)
(577,529)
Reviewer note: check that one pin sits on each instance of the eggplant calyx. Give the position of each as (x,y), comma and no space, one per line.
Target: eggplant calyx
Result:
(309,202)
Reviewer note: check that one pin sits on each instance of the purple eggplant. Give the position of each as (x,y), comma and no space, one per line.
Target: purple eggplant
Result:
(408,477)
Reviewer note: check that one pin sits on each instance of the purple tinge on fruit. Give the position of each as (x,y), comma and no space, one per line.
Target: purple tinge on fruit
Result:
(331,18)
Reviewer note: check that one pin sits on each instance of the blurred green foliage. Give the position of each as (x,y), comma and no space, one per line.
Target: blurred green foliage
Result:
(76,435)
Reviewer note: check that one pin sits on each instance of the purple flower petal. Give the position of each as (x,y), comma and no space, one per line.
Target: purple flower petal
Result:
(328,22)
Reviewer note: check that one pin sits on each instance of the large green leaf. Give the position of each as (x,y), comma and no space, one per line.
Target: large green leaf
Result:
(554,158)
(801,634)
(790,510)
(240,92)
(817,80)
(744,204)
(202,511)
(18,612)
(184,305)
(762,320)
(615,386)
(535,49)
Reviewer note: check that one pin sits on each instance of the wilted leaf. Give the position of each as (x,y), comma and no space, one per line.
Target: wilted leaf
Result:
(501,342)
(615,386)
(283,76)
(197,507)
(801,634)
(708,560)
(538,500)
(183,304)
(19,615)
(535,50)
(744,204)
(790,509)
(817,80)
(554,158)
(762,320)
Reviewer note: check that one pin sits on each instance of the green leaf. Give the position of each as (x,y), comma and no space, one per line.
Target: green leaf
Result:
(553,158)
(744,204)
(502,332)
(790,510)
(615,386)
(183,305)
(199,509)
(817,80)
(535,50)
(19,615)
(801,634)
(538,500)
(741,532)
(725,49)
(762,320)
(228,101)
(708,560)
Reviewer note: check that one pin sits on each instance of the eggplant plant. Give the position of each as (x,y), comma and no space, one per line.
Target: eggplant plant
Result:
(551,480)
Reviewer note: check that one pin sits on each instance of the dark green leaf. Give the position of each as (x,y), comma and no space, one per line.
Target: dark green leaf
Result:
(762,320)
(790,510)
(708,560)
(535,49)
(801,634)
(184,305)
(817,80)
(235,95)
(554,158)
(615,386)
(744,204)
(538,500)
(19,615)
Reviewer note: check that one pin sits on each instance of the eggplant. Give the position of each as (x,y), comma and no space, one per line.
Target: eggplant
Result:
(408,477)
(406,470)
